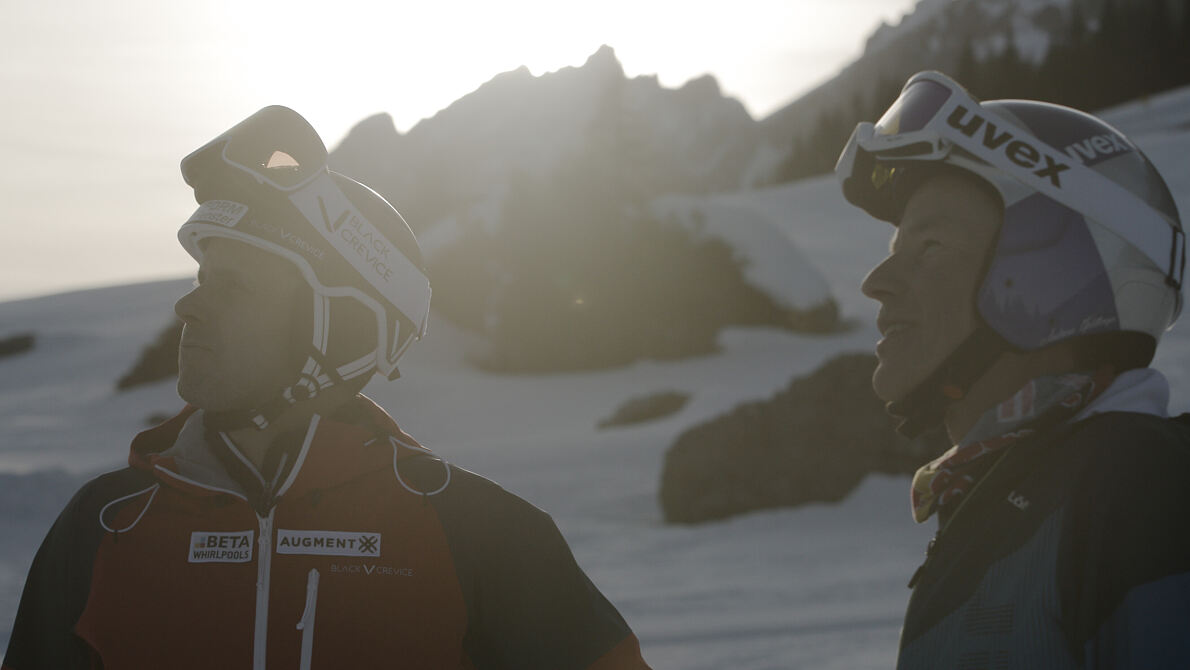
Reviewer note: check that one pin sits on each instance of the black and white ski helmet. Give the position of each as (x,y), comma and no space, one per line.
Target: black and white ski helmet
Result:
(265,182)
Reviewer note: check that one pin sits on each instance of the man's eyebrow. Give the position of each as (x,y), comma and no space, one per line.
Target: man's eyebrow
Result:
(929,223)
(920,225)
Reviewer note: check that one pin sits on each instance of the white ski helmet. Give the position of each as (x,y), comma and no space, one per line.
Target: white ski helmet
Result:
(1090,242)
(265,182)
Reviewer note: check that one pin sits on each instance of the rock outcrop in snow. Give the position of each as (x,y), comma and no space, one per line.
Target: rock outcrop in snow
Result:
(16,344)
(814,441)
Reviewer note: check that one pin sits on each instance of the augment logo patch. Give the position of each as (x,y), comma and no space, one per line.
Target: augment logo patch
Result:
(219,547)
(328,543)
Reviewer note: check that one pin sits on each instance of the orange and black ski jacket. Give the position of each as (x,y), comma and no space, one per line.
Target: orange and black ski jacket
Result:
(363,551)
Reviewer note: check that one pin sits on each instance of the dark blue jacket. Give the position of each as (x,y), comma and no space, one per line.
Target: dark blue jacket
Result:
(1073,552)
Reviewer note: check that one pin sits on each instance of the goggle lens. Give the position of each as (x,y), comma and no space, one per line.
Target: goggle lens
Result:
(882,174)
(914,109)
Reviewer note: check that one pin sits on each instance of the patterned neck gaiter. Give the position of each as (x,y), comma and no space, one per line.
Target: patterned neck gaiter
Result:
(1040,404)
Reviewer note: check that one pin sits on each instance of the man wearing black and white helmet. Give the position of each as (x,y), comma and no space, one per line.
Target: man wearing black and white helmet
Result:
(1038,257)
(282,519)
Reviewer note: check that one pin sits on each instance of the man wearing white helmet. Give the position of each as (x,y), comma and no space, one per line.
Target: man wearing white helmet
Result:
(1038,257)
(283,520)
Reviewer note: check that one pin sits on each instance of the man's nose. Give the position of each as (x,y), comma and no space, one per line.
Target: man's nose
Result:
(885,280)
(190,308)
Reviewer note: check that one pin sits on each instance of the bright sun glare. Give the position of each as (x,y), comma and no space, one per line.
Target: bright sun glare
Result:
(121,91)
(412,59)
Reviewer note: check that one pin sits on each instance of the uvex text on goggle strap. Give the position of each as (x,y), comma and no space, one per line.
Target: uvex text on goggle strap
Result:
(277,150)
(934,114)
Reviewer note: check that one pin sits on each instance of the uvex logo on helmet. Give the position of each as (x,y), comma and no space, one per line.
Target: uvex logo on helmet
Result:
(1093,148)
(1017,150)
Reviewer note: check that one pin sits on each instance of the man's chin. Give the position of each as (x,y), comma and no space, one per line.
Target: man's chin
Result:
(203,398)
(890,386)
(186,393)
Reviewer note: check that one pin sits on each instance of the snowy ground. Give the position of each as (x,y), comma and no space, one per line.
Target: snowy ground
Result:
(793,588)
(816,587)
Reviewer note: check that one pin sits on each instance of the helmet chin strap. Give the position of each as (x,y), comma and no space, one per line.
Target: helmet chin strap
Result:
(925,406)
(317,375)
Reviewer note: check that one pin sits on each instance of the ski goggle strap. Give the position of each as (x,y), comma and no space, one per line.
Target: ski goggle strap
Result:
(365,247)
(934,114)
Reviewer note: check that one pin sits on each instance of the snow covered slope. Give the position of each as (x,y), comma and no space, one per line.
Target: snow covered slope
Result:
(769,590)
(771,260)
(791,588)
(815,587)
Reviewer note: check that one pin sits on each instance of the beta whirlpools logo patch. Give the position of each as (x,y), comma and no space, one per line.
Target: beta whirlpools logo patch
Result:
(221,547)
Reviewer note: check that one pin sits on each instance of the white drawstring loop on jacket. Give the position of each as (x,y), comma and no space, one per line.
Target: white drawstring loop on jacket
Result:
(446,466)
(154,488)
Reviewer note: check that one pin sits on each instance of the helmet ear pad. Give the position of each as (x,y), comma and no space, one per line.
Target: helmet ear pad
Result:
(351,331)
(349,334)
(1046,281)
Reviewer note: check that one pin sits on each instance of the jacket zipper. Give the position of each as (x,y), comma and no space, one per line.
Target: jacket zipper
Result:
(306,624)
(930,549)
(264,558)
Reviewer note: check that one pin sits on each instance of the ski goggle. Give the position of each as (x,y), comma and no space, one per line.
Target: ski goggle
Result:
(275,146)
(934,115)
(277,149)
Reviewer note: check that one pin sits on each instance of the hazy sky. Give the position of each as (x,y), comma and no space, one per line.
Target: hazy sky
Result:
(102,99)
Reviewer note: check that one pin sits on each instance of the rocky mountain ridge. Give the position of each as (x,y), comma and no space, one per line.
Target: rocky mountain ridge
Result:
(533,200)
(692,138)
(518,125)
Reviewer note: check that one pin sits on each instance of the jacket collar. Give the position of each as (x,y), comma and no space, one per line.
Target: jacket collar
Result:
(339,447)
(1142,391)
